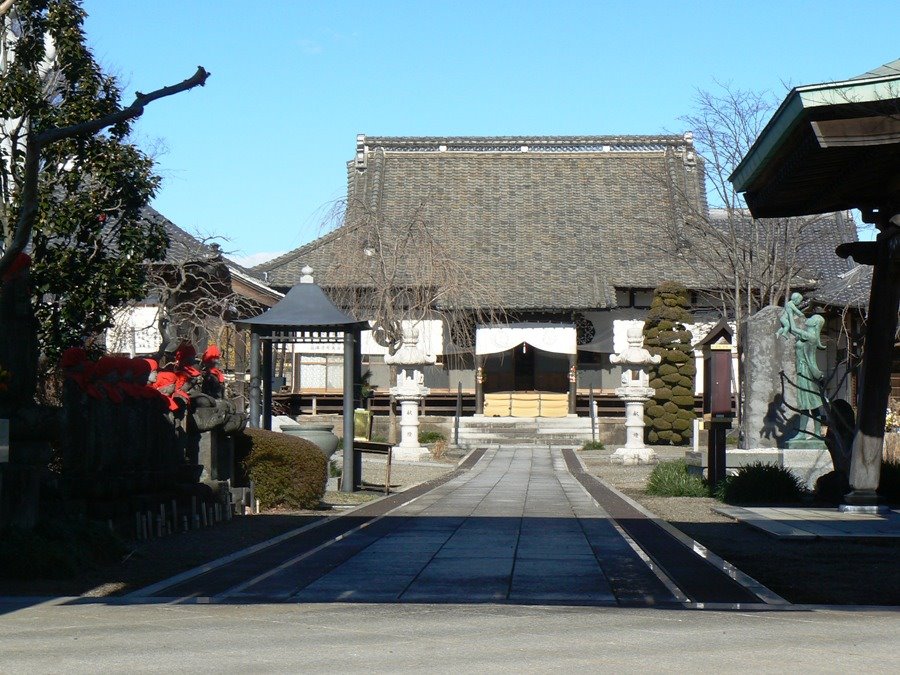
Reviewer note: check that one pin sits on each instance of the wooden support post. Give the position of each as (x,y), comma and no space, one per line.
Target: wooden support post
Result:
(349,477)
(875,374)
(255,379)
(479,384)
(267,374)
(573,383)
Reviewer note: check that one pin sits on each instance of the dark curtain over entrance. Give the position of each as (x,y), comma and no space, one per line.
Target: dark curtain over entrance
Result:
(525,368)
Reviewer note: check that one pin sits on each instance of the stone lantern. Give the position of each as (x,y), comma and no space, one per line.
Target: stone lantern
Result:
(410,390)
(635,391)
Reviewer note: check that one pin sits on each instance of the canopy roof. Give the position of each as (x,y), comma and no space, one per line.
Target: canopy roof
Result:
(829,147)
(305,307)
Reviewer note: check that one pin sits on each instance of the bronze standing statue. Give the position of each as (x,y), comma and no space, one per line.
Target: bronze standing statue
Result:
(807,343)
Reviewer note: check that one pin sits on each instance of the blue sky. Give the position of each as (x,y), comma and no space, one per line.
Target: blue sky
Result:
(258,155)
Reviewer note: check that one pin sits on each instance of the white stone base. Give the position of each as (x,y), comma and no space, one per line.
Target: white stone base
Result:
(807,464)
(634,456)
(401,454)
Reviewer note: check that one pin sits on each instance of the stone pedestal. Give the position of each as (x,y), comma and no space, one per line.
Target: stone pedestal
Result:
(409,392)
(216,454)
(634,452)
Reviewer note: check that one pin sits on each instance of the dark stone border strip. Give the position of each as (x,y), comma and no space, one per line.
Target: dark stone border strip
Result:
(212,582)
(698,579)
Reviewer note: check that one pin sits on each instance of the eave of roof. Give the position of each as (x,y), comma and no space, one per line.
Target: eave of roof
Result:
(789,139)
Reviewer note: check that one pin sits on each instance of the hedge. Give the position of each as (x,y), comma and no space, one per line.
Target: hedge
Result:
(287,471)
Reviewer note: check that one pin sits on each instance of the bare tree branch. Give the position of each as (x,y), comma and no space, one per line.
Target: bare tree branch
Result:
(37,142)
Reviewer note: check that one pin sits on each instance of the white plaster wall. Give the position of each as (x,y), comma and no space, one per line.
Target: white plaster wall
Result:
(431,340)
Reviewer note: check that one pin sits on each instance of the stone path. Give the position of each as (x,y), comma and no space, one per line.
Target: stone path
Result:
(817,523)
(517,528)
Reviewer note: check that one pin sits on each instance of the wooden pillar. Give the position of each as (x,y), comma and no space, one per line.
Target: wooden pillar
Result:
(573,383)
(875,374)
(349,475)
(267,374)
(479,384)
(255,395)
(240,362)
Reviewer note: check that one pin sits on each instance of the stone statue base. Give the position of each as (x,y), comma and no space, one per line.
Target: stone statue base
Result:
(630,456)
(400,453)
(807,464)
(868,509)
(805,444)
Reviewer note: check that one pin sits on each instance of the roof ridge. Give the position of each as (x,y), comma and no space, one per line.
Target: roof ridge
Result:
(653,142)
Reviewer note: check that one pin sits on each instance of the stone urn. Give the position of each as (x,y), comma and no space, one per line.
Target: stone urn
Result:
(320,434)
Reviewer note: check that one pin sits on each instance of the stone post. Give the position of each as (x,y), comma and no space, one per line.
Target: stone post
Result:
(635,392)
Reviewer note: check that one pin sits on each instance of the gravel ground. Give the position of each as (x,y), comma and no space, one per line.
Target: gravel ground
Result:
(806,572)
(403,474)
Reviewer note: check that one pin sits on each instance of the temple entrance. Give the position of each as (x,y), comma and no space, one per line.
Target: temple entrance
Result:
(524,370)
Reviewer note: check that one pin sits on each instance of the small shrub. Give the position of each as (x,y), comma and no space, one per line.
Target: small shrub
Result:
(431,437)
(760,483)
(438,449)
(889,483)
(672,479)
(593,445)
(287,471)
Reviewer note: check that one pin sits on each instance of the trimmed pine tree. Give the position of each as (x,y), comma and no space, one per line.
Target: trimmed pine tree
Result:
(669,414)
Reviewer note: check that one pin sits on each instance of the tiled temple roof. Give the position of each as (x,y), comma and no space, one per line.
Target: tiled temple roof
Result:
(548,222)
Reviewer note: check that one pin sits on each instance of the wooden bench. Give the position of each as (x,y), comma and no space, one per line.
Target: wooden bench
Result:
(373,448)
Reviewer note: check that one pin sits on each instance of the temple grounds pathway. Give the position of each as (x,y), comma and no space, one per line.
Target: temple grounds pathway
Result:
(521,525)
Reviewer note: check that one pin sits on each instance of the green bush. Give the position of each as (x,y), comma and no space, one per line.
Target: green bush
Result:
(665,335)
(672,479)
(760,483)
(431,437)
(889,483)
(57,549)
(288,471)
(593,445)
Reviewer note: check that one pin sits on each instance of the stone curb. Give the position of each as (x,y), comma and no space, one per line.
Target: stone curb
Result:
(766,595)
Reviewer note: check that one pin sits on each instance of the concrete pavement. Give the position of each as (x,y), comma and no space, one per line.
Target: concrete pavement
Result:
(350,638)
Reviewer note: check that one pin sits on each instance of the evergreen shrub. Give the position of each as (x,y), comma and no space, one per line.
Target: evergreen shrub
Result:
(672,479)
(431,437)
(288,471)
(760,483)
(593,445)
(669,413)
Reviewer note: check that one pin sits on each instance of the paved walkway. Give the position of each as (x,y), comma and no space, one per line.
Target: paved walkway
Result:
(517,528)
(816,523)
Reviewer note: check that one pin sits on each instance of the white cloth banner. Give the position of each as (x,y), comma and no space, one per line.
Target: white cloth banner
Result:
(549,337)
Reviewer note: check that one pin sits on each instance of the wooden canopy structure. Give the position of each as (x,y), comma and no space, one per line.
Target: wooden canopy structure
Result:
(837,146)
(305,314)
